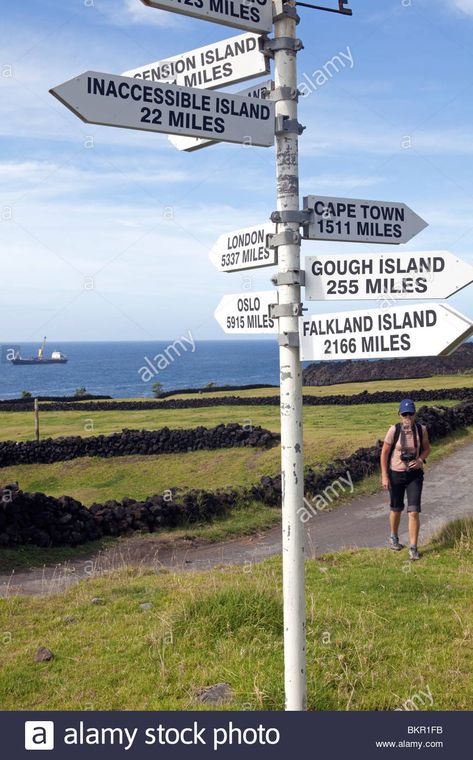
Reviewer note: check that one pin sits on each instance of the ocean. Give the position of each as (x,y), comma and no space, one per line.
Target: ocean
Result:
(128,369)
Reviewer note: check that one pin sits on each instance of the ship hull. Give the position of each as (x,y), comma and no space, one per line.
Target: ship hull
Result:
(38,361)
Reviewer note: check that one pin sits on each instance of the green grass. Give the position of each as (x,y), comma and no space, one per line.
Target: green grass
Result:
(329,432)
(379,630)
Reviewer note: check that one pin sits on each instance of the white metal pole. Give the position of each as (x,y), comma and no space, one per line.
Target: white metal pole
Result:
(292,457)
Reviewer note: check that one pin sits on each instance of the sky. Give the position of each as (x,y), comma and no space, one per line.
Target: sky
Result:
(105,232)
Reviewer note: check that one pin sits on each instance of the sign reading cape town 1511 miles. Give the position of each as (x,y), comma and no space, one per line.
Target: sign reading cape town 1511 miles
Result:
(117,101)
(430,330)
(253,15)
(430,274)
(360,221)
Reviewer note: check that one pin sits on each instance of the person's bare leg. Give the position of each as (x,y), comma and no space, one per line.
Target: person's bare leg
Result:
(414,526)
(394,520)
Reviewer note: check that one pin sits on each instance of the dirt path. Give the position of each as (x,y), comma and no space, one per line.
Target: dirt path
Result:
(362,522)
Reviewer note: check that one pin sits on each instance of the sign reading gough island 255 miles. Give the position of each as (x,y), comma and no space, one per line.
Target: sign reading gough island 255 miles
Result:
(118,101)
(360,221)
(252,15)
(430,330)
(430,274)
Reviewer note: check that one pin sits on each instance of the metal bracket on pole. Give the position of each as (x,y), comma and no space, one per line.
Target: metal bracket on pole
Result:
(285,237)
(277,310)
(289,339)
(291,277)
(291,217)
(270,45)
(283,93)
(282,10)
(284,125)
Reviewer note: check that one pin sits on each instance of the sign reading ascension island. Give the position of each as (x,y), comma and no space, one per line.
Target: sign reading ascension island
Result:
(117,101)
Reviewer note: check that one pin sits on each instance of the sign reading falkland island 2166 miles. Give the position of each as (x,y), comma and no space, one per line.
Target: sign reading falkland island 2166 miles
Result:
(227,62)
(429,330)
(351,277)
(244,249)
(118,101)
(360,221)
(247,313)
(253,15)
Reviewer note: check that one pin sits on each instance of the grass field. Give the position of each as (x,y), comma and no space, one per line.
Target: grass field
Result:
(380,631)
(329,432)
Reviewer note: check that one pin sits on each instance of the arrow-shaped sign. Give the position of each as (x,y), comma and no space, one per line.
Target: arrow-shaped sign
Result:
(190,144)
(406,275)
(253,15)
(244,249)
(226,62)
(247,313)
(427,330)
(117,101)
(360,221)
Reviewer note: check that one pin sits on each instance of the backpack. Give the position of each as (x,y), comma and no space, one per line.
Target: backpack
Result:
(418,434)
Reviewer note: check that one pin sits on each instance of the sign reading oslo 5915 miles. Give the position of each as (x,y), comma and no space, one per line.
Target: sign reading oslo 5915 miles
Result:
(246,313)
(360,221)
(253,15)
(430,274)
(429,330)
(118,101)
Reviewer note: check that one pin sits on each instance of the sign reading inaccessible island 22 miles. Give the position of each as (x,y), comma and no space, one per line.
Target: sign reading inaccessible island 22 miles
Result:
(429,330)
(360,221)
(253,15)
(117,101)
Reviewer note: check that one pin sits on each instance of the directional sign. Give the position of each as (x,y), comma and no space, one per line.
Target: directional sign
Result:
(359,221)
(190,144)
(253,15)
(247,313)
(244,249)
(117,101)
(227,62)
(430,274)
(428,330)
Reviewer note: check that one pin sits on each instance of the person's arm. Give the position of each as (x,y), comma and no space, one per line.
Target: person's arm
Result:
(384,464)
(424,453)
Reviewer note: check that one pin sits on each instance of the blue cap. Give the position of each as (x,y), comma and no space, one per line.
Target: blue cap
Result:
(407,405)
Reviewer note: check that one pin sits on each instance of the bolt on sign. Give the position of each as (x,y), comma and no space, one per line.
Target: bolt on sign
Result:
(360,221)
(117,101)
(252,15)
(406,275)
(247,313)
(247,248)
(430,330)
(227,62)
(190,144)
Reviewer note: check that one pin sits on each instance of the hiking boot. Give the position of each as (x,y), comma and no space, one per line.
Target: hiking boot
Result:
(395,545)
(413,554)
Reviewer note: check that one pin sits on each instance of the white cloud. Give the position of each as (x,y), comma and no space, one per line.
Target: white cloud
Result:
(134,12)
(463,5)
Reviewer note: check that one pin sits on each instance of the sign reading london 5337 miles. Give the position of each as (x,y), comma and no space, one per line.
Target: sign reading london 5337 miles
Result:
(117,101)
(360,221)
(244,249)
(406,275)
(253,15)
(430,330)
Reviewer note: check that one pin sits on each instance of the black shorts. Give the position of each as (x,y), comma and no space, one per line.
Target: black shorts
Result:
(409,482)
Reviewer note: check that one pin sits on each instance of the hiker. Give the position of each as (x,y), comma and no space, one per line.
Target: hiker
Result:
(405,451)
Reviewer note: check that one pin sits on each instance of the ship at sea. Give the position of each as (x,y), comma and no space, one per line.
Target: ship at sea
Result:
(56,357)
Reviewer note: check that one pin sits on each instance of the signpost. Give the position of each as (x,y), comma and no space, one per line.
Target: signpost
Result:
(190,144)
(246,313)
(429,330)
(360,221)
(345,277)
(253,15)
(247,248)
(118,101)
(227,62)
